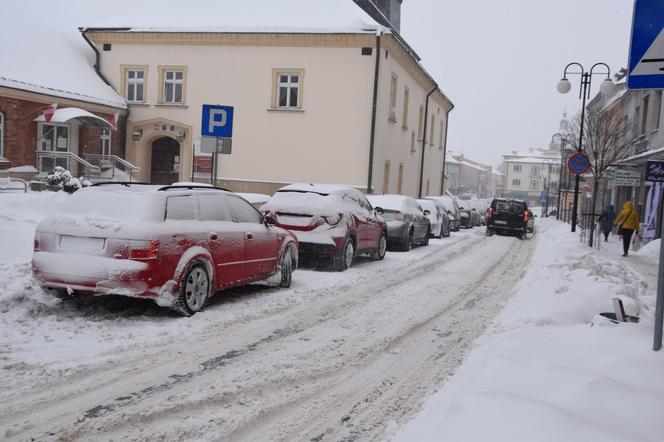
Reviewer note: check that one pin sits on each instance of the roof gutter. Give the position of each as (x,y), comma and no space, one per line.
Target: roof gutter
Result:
(97,55)
(372,136)
(424,138)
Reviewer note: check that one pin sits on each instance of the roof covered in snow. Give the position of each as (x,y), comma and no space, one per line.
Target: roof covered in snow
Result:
(42,51)
(535,160)
(298,16)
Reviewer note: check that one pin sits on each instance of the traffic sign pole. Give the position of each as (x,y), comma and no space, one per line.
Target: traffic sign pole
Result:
(659,309)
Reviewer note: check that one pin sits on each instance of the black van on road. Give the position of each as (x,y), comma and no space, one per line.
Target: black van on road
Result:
(508,216)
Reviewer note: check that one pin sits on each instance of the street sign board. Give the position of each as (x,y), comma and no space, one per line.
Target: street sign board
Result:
(217,121)
(646,53)
(627,178)
(543,196)
(655,171)
(578,163)
(216,145)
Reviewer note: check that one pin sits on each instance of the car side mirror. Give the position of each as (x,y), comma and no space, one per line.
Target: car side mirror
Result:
(426,213)
(379,210)
(269,220)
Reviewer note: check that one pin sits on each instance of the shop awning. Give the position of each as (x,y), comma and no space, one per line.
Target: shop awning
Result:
(65,115)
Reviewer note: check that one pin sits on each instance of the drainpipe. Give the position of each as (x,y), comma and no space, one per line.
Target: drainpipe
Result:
(372,137)
(424,138)
(442,179)
(97,56)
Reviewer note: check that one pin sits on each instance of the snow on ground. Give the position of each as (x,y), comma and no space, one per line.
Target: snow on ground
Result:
(550,368)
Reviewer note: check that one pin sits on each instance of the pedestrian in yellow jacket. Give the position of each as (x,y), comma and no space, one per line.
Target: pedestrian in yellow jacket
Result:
(627,222)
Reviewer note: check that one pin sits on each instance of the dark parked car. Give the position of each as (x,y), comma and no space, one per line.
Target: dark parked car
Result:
(176,245)
(407,222)
(333,221)
(508,216)
(465,216)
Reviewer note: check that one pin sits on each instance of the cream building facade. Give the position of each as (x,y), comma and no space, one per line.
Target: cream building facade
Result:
(303,102)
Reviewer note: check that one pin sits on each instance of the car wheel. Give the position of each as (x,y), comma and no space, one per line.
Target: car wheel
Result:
(344,259)
(407,242)
(382,248)
(286,267)
(425,242)
(194,290)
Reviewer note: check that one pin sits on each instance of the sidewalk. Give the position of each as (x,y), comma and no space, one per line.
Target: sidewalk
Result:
(549,368)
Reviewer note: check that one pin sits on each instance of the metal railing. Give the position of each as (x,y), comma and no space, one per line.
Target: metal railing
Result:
(113,162)
(89,168)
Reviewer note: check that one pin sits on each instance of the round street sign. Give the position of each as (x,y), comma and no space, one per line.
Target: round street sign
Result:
(611,174)
(578,163)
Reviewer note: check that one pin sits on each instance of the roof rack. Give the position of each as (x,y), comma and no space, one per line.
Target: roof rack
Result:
(122,183)
(191,187)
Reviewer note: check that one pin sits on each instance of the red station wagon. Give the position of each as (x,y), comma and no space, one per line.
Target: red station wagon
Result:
(177,245)
(329,220)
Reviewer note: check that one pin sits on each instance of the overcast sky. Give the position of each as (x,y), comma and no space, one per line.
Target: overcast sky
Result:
(499,62)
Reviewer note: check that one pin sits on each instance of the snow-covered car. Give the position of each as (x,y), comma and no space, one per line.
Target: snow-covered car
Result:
(333,221)
(438,218)
(465,217)
(451,208)
(258,200)
(480,207)
(177,245)
(531,222)
(407,222)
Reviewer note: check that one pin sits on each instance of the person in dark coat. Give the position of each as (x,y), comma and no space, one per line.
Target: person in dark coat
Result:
(606,220)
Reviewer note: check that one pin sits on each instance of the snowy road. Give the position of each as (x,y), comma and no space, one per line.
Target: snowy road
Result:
(342,359)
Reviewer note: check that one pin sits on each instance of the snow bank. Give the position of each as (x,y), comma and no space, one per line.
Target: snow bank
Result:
(544,372)
(651,249)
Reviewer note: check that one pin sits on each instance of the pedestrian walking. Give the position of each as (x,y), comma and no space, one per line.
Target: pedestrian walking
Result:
(606,220)
(628,223)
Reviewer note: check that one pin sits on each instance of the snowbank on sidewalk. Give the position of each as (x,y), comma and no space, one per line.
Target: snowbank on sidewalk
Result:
(544,372)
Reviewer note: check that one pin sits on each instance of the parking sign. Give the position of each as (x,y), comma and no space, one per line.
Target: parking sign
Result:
(217,121)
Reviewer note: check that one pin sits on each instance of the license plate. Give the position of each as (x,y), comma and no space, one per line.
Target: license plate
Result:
(500,222)
(81,244)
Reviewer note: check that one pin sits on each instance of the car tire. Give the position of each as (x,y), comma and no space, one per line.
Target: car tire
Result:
(489,232)
(425,242)
(407,242)
(344,259)
(194,290)
(380,252)
(286,267)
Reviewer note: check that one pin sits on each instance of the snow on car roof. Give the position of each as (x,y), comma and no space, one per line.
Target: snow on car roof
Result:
(317,200)
(254,198)
(323,189)
(397,202)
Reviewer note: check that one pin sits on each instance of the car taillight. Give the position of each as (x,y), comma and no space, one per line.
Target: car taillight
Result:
(333,220)
(525,216)
(489,213)
(143,249)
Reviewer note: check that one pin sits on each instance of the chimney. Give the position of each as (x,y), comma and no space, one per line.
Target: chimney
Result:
(391,9)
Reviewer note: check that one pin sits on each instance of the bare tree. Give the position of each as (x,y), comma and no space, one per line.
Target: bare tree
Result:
(604,142)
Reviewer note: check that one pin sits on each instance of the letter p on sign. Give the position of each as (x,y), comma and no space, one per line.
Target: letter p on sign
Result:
(217,121)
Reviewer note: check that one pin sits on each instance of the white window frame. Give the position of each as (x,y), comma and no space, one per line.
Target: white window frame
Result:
(516,167)
(289,85)
(516,182)
(135,82)
(105,141)
(534,184)
(535,170)
(175,82)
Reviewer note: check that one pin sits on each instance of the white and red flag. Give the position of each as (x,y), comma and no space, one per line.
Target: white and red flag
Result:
(113,120)
(48,111)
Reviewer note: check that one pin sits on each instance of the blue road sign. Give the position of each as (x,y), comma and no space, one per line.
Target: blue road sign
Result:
(646,52)
(578,163)
(217,121)
(543,196)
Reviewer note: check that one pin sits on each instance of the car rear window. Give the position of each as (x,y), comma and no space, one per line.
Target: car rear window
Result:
(509,207)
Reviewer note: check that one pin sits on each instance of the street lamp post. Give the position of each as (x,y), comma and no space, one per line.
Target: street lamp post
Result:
(563,140)
(564,87)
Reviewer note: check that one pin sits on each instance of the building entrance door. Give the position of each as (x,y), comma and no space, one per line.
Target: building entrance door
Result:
(165,167)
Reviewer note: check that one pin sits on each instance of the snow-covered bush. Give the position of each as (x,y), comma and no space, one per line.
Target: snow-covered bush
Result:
(63,178)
